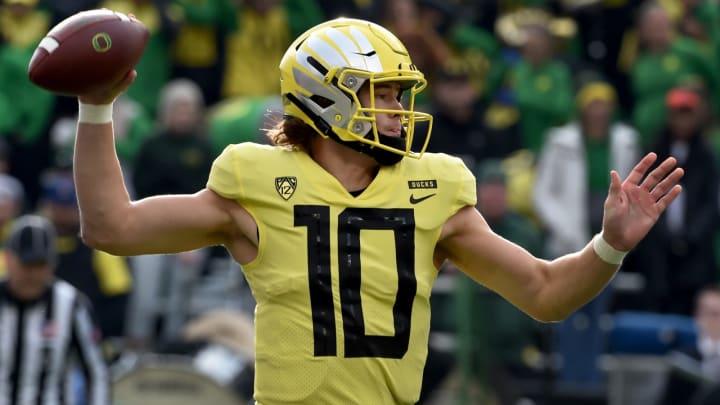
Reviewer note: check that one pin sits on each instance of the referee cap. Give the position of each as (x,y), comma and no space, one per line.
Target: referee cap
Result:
(32,239)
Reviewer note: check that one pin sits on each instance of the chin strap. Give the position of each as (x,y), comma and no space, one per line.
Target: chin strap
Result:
(382,156)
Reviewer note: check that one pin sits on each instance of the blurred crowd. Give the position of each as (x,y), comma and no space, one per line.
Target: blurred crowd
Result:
(541,99)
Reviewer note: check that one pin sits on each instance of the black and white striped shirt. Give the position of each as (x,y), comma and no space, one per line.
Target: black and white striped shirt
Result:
(42,342)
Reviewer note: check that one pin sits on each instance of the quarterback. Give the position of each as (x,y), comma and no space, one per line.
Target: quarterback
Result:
(342,224)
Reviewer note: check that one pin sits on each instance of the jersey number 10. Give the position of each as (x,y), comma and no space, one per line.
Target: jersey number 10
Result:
(351,221)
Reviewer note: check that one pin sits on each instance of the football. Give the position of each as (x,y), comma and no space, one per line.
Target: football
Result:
(88,51)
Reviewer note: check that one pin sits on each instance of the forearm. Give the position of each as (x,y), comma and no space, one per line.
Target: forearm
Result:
(545,290)
(571,281)
(102,197)
(551,290)
(548,291)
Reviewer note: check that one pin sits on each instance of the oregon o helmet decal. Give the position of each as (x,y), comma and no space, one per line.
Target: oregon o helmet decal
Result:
(101,42)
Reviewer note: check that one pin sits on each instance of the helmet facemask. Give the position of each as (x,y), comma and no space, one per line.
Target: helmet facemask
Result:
(362,129)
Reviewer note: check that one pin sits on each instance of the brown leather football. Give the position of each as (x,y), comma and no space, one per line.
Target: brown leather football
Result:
(88,51)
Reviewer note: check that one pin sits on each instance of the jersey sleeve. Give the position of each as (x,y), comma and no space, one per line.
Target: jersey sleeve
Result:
(466,188)
(224,175)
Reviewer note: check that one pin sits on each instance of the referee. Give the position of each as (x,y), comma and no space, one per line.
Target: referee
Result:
(46,327)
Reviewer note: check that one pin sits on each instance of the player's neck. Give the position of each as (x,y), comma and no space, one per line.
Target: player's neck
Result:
(354,170)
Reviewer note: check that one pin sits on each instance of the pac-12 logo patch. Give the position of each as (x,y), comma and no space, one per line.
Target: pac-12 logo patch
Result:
(285,186)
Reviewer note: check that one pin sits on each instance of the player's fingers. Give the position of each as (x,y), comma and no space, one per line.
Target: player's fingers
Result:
(615,183)
(657,175)
(668,198)
(638,172)
(667,183)
(128,79)
(123,85)
(109,95)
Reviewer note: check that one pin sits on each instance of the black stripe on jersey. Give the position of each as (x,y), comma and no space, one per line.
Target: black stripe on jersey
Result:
(63,384)
(77,344)
(90,357)
(15,372)
(3,299)
(46,351)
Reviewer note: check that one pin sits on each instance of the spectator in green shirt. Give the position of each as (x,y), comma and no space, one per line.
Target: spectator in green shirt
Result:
(155,66)
(242,119)
(197,51)
(573,165)
(542,86)
(663,61)
(265,28)
(26,109)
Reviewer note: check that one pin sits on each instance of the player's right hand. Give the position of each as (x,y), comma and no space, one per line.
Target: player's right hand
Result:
(109,95)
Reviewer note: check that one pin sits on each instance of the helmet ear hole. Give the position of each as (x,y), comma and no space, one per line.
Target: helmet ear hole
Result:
(321,101)
(361,128)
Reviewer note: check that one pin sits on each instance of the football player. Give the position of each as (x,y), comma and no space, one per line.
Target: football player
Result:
(342,224)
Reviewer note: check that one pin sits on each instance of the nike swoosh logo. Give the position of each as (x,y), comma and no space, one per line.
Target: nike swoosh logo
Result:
(414,200)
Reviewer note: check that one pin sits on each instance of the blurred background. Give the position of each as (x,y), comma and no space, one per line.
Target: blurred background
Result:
(539,98)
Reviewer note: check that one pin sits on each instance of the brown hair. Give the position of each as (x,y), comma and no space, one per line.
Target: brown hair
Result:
(292,132)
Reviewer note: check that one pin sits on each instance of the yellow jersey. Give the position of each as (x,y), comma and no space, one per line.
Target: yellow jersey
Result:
(342,283)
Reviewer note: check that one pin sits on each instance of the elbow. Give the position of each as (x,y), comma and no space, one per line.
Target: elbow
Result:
(547,305)
(545,312)
(93,238)
(100,238)
(105,229)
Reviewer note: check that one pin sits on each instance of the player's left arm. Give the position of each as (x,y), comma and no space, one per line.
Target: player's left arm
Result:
(551,290)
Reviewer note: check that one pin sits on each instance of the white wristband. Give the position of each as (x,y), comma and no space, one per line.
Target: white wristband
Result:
(95,113)
(606,252)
